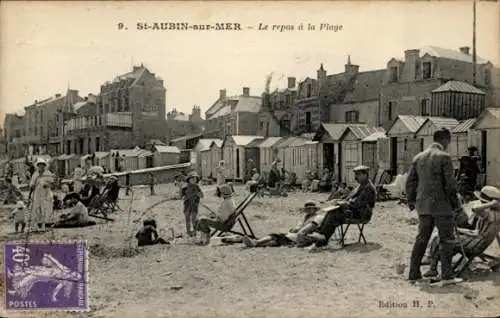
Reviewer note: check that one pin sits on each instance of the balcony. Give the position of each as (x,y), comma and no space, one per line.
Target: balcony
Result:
(122,120)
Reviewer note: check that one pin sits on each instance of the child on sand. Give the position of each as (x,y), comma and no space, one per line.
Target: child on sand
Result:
(18,214)
(191,195)
(148,235)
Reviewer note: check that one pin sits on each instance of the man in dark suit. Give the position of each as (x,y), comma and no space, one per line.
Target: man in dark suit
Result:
(432,190)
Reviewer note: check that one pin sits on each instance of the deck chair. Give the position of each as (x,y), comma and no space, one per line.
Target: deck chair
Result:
(237,216)
(492,262)
(382,178)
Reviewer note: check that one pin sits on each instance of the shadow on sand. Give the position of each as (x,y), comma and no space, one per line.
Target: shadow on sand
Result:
(357,247)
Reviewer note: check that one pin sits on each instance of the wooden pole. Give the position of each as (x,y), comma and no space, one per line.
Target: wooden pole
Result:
(474,57)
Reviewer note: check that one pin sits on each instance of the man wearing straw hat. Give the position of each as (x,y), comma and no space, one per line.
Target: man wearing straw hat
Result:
(41,204)
(474,242)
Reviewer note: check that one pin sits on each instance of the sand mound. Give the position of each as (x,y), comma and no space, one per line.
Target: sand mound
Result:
(103,251)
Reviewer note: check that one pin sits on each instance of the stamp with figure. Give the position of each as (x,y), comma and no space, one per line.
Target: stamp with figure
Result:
(51,276)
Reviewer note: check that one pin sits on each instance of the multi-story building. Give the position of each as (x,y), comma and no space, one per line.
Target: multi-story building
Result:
(315,96)
(181,124)
(234,115)
(278,115)
(42,121)
(408,83)
(128,112)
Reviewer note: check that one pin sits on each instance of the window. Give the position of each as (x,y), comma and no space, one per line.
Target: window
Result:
(352,116)
(41,114)
(427,70)
(309,90)
(423,107)
(390,110)
(41,130)
(308,121)
(487,77)
(261,127)
(288,100)
(89,145)
(393,74)
(101,109)
(97,144)
(406,144)
(36,131)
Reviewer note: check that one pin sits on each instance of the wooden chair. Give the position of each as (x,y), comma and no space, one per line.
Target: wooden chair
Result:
(360,223)
(237,216)
(492,262)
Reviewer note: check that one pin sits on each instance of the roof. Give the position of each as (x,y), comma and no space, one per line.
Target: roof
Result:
(156,142)
(101,154)
(413,123)
(366,86)
(488,119)
(361,132)
(167,149)
(269,142)
(458,86)
(244,140)
(255,143)
(133,75)
(66,157)
(336,130)
(463,126)
(235,104)
(145,153)
(450,54)
(375,136)
(127,152)
(441,122)
(217,143)
(288,141)
(205,144)
(78,105)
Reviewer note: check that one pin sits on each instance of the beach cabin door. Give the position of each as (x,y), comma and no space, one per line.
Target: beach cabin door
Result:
(394,154)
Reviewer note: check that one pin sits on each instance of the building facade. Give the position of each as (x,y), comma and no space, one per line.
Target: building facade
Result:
(234,115)
(279,116)
(181,124)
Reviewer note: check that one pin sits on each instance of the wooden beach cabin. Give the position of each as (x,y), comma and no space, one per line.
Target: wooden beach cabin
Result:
(216,155)
(166,155)
(488,123)
(462,137)
(236,155)
(268,152)
(202,145)
(403,142)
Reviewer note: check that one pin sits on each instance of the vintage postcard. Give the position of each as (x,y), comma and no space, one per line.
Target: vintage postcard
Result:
(250,158)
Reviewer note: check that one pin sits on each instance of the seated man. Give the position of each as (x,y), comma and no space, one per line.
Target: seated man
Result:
(78,214)
(216,219)
(360,202)
(90,190)
(148,235)
(474,242)
(301,236)
(112,189)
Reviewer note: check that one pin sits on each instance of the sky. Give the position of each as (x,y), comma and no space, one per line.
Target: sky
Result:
(46,47)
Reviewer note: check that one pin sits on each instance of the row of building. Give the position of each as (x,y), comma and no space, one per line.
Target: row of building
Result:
(127,112)
(342,146)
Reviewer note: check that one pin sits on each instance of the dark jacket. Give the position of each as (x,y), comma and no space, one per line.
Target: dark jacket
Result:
(431,185)
(362,200)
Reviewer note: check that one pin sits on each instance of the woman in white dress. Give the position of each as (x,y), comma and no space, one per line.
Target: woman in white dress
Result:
(42,200)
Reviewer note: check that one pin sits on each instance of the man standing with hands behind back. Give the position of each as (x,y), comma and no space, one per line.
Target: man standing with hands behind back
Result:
(432,190)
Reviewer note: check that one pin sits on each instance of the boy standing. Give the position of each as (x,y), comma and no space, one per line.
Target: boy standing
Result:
(191,194)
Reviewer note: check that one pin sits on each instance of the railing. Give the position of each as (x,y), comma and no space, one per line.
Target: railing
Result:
(106,120)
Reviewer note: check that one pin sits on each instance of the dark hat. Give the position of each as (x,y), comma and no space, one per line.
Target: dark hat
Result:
(192,174)
(361,169)
(72,196)
(472,148)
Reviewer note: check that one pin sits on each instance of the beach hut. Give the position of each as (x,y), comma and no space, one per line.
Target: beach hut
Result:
(166,155)
(329,150)
(403,142)
(426,132)
(268,152)
(202,145)
(253,151)
(375,150)
(206,163)
(126,159)
(145,159)
(351,151)
(488,123)
(216,155)
(68,163)
(235,155)
(102,159)
(303,157)
(283,152)
(462,137)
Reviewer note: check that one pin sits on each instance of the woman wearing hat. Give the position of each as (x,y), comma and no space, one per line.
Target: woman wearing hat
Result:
(41,205)
(474,242)
(191,194)
(226,209)
(298,236)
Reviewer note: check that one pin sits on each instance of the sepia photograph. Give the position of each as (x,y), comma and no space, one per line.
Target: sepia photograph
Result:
(228,159)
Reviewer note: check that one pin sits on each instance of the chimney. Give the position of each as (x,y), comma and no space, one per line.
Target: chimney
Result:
(246,91)
(222,93)
(36,102)
(351,68)
(136,68)
(58,95)
(465,50)
(411,59)
(291,82)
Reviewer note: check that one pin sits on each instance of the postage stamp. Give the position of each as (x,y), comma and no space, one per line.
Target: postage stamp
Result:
(51,276)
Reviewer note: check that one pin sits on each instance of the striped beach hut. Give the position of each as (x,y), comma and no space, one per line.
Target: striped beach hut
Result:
(236,155)
(268,152)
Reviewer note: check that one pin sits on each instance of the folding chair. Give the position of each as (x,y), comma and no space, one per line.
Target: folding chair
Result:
(237,216)
(326,228)
(360,223)
(492,262)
